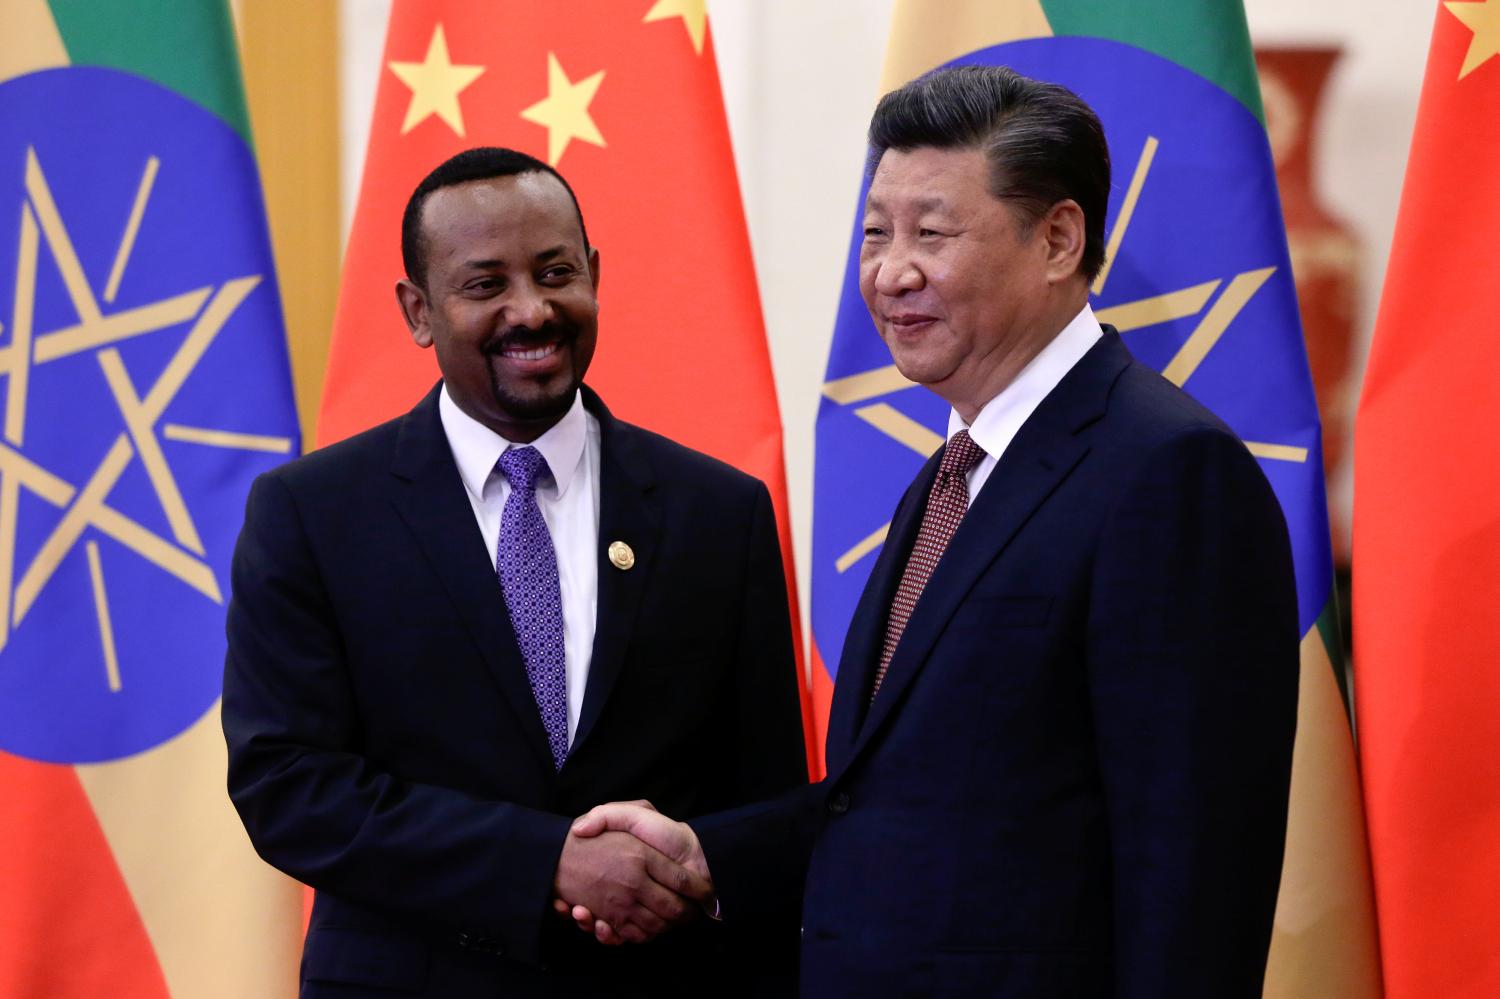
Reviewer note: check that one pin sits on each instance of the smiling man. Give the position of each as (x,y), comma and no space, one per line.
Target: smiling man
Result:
(1060,743)
(453,633)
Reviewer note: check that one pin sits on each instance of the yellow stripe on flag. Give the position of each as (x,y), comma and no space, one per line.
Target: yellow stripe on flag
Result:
(291,84)
(196,881)
(1323,941)
(924,36)
(30,41)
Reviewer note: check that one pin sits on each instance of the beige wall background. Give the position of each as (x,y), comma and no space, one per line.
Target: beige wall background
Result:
(800,78)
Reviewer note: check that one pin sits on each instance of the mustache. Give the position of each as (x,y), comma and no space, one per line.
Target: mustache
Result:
(522,338)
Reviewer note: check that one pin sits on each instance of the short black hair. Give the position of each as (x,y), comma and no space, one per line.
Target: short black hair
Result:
(1043,143)
(479,163)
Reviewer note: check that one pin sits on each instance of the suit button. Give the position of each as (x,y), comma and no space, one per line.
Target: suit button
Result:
(838,803)
(464,940)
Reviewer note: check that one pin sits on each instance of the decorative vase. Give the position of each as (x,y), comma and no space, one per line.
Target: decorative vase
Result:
(1325,254)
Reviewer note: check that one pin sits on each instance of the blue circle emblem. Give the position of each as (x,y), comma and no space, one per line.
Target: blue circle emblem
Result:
(145,383)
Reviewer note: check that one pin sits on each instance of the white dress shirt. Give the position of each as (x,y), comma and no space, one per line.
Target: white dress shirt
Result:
(569,501)
(998,422)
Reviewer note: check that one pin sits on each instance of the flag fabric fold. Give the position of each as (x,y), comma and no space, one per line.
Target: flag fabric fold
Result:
(146,383)
(1426,552)
(1199,283)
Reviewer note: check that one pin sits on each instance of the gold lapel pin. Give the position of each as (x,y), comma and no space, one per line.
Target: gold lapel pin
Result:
(620,555)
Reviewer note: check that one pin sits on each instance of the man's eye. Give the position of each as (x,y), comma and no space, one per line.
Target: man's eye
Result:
(927,233)
(487,287)
(556,274)
(873,232)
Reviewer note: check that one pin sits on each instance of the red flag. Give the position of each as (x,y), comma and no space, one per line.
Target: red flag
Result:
(1427,538)
(622,98)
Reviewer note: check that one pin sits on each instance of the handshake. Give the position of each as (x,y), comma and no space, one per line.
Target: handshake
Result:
(627,874)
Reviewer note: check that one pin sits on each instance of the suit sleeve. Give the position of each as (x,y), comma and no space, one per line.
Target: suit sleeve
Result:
(758,853)
(770,753)
(758,857)
(327,815)
(1193,669)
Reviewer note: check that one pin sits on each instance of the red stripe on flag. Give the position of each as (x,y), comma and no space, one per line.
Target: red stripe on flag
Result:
(68,926)
(822,701)
(1427,540)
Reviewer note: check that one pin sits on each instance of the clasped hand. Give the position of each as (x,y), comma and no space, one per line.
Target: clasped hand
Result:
(627,873)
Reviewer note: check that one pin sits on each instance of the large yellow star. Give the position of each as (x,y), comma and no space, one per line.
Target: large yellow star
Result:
(435,84)
(565,110)
(694,14)
(1482,18)
(87,510)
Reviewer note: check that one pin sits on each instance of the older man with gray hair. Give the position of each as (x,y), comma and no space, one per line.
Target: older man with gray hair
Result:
(1060,744)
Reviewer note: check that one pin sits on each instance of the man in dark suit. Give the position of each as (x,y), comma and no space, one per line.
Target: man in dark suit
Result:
(420,693)
(1060,743)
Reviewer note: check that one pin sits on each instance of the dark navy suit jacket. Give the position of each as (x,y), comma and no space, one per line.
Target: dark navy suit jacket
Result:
(384,744)
(1073,782)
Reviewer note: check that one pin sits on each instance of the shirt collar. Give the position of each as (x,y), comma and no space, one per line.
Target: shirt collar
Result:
(1001,418)
(476,448)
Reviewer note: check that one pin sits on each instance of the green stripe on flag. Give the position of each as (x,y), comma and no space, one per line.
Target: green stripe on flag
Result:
(1211,39)
(185,45)
(1330,631)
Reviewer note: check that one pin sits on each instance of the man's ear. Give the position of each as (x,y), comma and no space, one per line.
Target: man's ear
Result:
(594,267)
(1063,229)
(414,309)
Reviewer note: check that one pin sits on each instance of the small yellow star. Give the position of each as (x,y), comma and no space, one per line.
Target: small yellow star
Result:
(435,84)
(1482,18)
(694,14)
(565,110)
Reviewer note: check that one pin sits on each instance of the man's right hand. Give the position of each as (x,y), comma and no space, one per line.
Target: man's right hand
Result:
(632,887)
(675,841)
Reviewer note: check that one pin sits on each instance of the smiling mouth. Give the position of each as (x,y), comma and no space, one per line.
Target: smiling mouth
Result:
(530,353)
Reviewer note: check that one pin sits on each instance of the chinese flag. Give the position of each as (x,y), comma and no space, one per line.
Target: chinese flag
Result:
(1427,538)
(622,97)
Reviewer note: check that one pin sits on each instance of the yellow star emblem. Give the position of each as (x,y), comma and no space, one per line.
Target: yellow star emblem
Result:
(694,14)
(99,331)
(565,110)
(1483,19)
(435,84)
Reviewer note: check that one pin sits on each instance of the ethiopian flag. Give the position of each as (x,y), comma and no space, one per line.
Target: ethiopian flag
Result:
(1198,281)
(145,382)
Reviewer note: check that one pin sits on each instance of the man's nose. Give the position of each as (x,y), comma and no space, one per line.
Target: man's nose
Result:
(527,306)
(897,270)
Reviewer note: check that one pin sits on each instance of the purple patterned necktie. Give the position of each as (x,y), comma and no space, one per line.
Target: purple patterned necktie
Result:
(527,565)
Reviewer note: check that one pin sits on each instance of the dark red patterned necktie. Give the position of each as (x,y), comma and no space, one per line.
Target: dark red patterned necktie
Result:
(947,503)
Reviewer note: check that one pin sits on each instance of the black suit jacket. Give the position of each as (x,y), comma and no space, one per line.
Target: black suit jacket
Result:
(1073,782)
(384,744)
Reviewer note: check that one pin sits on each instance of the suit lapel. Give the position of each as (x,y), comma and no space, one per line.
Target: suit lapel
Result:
(429,496)
(1047,448)
(626,513)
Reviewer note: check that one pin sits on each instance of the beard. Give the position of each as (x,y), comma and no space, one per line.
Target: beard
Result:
(541,403)
(536,401)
